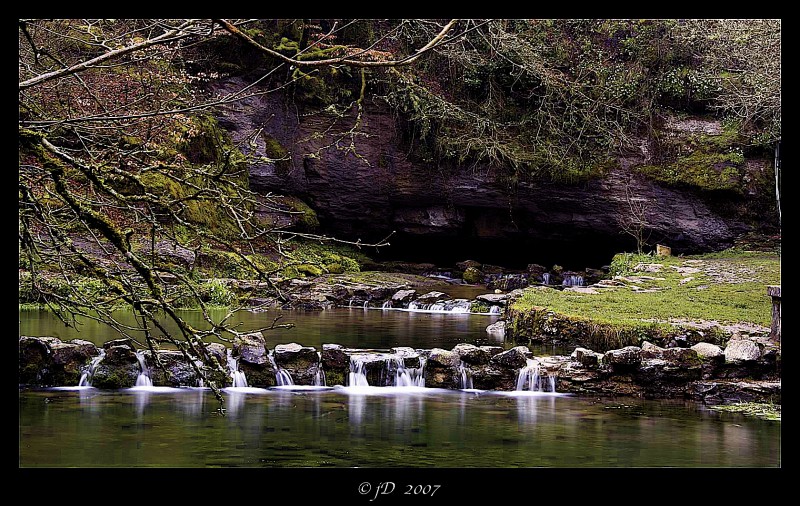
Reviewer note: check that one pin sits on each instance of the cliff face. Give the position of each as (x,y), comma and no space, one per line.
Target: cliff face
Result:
(376,188)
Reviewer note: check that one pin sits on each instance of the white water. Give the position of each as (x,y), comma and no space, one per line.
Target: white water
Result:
(494,310)
(407,376)
(464,377)
(455,306)
(358,373)
(239,379)
(86,377)
(546,278)
(529,379)
(319,376)
(143,380)
(282,376)
(387,305)
(572,280)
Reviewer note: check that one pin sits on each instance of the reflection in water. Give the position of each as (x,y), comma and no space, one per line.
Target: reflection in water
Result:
(380,427)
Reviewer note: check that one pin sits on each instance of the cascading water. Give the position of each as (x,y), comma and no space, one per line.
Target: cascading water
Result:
(464,377)
(239,379)
(143,380)
(387,305)
(455,306)
(366,304)
(529,379)
(319,376)
(358,373)
(282,376)
(495,310)
(407,376)
(572,280)
(546,278)
(86,377)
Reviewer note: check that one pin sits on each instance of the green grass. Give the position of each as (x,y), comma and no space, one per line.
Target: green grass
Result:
(720,300)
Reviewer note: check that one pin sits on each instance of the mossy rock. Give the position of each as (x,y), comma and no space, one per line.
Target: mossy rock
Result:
(473,276)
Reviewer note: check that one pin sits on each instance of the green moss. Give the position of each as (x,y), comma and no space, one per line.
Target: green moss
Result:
(708,171)
(473,276)
(761,410)
(735,293)
(308,221)
(479,307)
(275,151)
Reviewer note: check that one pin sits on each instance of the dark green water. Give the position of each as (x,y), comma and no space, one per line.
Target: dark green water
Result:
(336,428)
(356,328)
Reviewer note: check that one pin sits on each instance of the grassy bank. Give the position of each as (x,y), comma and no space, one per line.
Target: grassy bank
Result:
(717,293)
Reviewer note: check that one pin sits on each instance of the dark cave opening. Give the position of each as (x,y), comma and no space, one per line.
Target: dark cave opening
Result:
(577,253)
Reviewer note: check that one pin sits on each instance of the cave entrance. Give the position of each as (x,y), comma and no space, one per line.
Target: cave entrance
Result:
(576,253)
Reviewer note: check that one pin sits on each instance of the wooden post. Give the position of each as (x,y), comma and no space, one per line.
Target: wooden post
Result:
(775,330)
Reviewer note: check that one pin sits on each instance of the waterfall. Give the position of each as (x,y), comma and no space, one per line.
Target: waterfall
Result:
(350,303)
(494,310)
(143,380)
(366,304)
(546,278)
(282,376)
(358,373)
(86,377)
(455,306)
(573,280)
(464,376)
(407,376)
(319,376)
(387,305)
(529,377)
(239,379)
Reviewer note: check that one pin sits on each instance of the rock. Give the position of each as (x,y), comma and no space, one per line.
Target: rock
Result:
(708,351)
(650,350)
(493,298)
(686,270)
(70,360)
(119,368)
(473,276)
(175,253)
(179,372)
(250,348)
(409,355)
(507,282)
(403,296)
(441,369)
(536,270)
(594,275)
(663,251)
(587,358)
(625,358)
(492,269)
(118,342)
(34,361)
(682,357)
(648,267)
(497,328)
(492,350)
(741,350)
(431,297)
(335,363)
(302,362)
(515,358)
(610,282)
(466,264)
(472,354)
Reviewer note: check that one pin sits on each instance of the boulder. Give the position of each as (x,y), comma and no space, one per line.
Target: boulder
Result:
(119,368)
(302,362)
(497,299)
(628,357)
(472,354)
(586,357)
(34,361)
(708,351)
(497,328)
(741,350)
(403,297)
(175,253)
(473,276)
(176,371)
(335,363)
(431,297)
(70,360)
(492,350)
(650,350)
(467,264)
(251,348)
(515,358)
(441,369)
(409,355)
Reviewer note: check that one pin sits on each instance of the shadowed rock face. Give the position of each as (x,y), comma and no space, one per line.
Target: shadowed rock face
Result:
(460,208)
